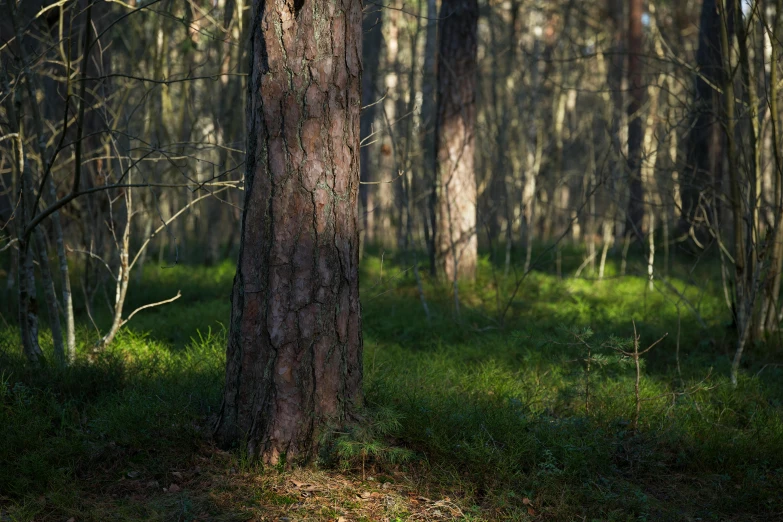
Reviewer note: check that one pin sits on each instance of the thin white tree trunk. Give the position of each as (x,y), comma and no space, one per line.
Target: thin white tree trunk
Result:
(70,327)
(50,294)
(651,252)
(529,195)
(123,273)
(608,238)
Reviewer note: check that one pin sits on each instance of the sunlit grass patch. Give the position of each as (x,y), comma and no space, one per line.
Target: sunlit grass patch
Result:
(493,409)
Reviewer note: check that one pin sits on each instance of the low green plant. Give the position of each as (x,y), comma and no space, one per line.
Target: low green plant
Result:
(369,441)
(492,415)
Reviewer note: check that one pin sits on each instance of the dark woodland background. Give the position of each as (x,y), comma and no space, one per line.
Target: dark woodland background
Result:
(570,230)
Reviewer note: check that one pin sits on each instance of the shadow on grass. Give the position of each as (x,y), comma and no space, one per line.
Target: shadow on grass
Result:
(506,415)
(498,412)
(504,406)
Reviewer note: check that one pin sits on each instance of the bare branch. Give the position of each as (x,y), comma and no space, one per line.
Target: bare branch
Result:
(139,309)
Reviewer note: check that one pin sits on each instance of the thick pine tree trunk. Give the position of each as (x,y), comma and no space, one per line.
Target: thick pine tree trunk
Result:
(457,244)
(294,350)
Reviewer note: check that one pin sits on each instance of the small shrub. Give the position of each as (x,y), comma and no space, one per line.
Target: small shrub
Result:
(368,442)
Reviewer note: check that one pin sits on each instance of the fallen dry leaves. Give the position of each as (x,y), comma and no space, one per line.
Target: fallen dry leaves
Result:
(529,503)
(216,490)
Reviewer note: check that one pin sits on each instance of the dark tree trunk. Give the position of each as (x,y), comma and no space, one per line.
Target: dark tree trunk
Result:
(706,139)
(371,44)
(456,239)
(427,131)
(499,208)
(614,80)
(614,77)
(635,215)
(294,357)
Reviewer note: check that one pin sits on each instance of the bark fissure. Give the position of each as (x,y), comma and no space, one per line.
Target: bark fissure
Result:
(294,348)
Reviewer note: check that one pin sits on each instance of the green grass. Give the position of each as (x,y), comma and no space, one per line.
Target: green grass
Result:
(492,406)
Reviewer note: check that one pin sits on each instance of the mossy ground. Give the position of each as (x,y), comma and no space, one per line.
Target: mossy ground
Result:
(491,402)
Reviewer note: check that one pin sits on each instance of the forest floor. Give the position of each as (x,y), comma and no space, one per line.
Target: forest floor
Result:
(520,407)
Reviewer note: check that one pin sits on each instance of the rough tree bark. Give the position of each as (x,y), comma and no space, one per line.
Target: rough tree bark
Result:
(294,352)
(457,244)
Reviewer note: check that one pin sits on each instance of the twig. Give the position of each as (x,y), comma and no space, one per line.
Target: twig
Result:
(765,367)
(94,256)
(636,355)
(88,307)
(9,245)
(584,264)
(401,174)
(406,12)
(54,207)
(162,81)
(139,309)
(166,223)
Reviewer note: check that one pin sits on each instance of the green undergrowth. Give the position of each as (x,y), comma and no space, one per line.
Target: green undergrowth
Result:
(492,404)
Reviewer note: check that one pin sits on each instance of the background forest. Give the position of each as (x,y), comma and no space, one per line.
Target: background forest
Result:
(570,226)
